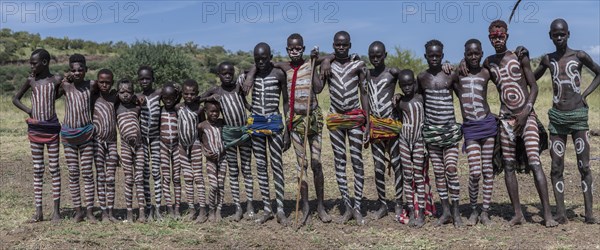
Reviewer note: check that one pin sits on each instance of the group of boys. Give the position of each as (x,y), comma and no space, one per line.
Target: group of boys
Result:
(410,129)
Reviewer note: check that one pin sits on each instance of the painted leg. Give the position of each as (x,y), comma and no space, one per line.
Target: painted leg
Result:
(557,152)
(582,149)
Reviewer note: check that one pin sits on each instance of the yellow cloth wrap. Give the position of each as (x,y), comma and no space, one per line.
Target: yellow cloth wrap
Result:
(384,128)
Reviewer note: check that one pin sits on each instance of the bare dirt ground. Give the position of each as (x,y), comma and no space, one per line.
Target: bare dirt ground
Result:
(16,206)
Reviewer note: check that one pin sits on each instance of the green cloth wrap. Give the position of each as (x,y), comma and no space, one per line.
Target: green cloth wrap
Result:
(315,120)
(235,136)
(567,122)
(442,135)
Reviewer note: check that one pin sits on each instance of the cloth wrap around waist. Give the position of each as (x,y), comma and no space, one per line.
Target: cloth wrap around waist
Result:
(77,136)
(384,128)
(474,130)
(442,135)
(235,136)
(522,165)
(567,122)
(349,120)
(45,132)
(315,121)
(263,126)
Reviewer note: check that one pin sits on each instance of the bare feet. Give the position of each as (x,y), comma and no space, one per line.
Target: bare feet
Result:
(142,216)
(444,219)
(281,219)
(383,210)
(104,216)
(266,216)
(238,214)
(562,219)
(305,214)
(457,220)
(38,216)
(346,216)
(420,220)
(191,214)
(171,211)
(79,214)
(157,215)
(516,220)
(56,214)
(411,217)
(129,217)
(590,220)
(218,217)
(550,222)
(485,218)
(90,216)
(358,217)
(201,216)
(250,214)
(177,214)
(323,215)
(211,215)
(473,218)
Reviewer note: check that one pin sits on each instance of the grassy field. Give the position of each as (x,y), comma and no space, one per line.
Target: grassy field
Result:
(16,206)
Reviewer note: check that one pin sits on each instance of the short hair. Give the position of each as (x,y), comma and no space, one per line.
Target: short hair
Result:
(406,72)
(342,33)
(42,53)
(498,24)
(223,64)
(211,102)
(171,85)
(105,72)
(191,83)
(377,43)
(124,81)
(295,36)
(77,58)
(473,40)
(434,42)
(146,67)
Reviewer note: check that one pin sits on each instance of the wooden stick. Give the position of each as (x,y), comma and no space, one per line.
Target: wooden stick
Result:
(306,129)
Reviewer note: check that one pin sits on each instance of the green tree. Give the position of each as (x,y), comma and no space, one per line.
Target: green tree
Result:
(406,59)
(169,62)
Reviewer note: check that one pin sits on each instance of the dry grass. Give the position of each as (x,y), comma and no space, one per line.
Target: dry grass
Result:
(16,206)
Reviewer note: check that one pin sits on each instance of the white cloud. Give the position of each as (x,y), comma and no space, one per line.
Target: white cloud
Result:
(594,50)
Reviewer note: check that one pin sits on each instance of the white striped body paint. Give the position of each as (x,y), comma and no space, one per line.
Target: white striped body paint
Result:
(344,91)
(381,92)
(150,130)
(78,113)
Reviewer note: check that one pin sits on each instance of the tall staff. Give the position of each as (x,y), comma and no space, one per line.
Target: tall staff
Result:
(306,130)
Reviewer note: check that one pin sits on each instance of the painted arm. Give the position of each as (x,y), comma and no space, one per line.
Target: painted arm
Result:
(209,95)
(521,117)
(541,69)
(364,101)
(249,81)
(17,98)
(286,110)
(594,67)
(318,85)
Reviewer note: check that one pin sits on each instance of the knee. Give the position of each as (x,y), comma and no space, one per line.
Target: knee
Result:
(509,166)
(584,168)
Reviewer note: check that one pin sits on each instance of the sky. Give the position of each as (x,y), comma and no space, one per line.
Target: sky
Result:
(240,25)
